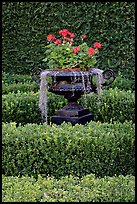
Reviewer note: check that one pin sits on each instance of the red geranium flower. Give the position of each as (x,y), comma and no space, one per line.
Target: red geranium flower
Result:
(72,35)
(91,51)
(69,39)
(57,42)
(64,32)
(76,49)
(51,37)
(97,45)
(80,54)
(84,36)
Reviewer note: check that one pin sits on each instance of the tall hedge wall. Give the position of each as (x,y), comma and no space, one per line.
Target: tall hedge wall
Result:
(25,24)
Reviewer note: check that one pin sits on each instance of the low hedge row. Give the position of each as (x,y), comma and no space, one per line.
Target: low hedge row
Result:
(100,148)
(22,87)
(22,107)
(68,189)
(116,105)
(16,78)
(120,82)
(112,105)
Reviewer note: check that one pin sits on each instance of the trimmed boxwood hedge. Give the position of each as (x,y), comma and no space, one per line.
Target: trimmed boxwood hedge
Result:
(27,87)
(68,189)
(122,83)
(116,105)
(10,78)
(12,83)
(112,105)
(22,107)
(99,148)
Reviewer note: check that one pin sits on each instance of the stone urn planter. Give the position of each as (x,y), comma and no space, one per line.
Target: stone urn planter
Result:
(72,84)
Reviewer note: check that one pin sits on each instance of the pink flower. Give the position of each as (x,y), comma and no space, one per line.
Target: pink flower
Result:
(64,32)
(72,35)
(69,39)
(91,51)
(51,37)
(76,49)
(57,42)
(97,45)
(84,36)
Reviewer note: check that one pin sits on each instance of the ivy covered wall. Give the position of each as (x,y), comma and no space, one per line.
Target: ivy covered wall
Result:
(25,24)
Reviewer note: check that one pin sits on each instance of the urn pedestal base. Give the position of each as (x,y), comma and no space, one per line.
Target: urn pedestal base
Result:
(73,113)
(80,120)
(72,85)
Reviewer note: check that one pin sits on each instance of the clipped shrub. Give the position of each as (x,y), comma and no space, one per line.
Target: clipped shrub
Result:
(14,82)
(22,107)
(10,78)
(115,105)
(69,189)
(102,149)
(122,83)
(22,87)
(111,105)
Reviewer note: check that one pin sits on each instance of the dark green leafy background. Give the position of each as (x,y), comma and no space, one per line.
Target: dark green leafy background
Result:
(25,25)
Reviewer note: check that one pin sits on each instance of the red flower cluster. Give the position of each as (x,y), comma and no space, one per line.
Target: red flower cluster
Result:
(91,51)
(70,37)
(97,45)
(57,42)
(51,37)
(65,32)
(62,52)
(76,49)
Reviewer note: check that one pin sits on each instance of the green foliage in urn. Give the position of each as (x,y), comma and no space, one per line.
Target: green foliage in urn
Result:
(65,53)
